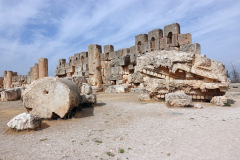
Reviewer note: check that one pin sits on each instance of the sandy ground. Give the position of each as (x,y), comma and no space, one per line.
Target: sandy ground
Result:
(144,130)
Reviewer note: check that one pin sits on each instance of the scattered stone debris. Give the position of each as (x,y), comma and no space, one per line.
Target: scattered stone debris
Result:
(177,100)
(219,100)
(25,121)
(198,106)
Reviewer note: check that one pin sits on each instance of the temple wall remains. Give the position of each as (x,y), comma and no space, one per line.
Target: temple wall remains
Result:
(112,67)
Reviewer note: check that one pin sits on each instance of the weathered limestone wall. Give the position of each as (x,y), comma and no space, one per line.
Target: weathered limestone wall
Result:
(43,67)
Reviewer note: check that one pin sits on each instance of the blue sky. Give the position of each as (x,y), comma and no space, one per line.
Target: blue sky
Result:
(54,29)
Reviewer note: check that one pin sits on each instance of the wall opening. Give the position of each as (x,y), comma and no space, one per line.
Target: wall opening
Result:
(152,44)
(139,47)
(169,38)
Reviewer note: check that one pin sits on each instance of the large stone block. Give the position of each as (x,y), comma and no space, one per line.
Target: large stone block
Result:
(51,96)
(184,39)
(177,100)
(194,48)
(108,48)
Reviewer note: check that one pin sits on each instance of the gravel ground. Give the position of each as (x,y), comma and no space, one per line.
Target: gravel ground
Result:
(121,123)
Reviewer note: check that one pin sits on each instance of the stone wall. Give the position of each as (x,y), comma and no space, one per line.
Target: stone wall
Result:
(117,67)
(165,55)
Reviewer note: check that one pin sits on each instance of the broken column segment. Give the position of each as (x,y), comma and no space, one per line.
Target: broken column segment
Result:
(8,80)
(47,97)
(43,67)
(35,72)
(94,62)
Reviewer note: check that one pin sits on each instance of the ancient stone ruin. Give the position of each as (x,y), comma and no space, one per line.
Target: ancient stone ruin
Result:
(160,62)
(12,85)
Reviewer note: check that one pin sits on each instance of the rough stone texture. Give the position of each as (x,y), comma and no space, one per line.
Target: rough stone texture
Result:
(86,89)
(171,71)
(48,96)
(177,100)
(11,94)
(219,100)
(25,121)
(144,97)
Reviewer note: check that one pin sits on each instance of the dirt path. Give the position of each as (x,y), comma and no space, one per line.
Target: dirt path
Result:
(120,121)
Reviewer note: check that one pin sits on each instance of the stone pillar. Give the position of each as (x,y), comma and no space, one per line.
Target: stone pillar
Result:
(43,67)
(35,72)
(94,64)
(9,79)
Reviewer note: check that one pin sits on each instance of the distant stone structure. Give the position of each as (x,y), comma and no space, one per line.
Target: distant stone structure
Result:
(11,79)
(166,56)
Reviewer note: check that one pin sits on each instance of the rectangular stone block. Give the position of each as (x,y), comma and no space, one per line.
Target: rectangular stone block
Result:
(108,48)
(195,48)
(112,55)
(184,39)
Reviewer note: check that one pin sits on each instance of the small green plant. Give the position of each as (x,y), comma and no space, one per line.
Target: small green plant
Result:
(44,139)
(228,104)
(98,141)
(129,148)
(110,154)
(121,150)
(191,118)
(223,120)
